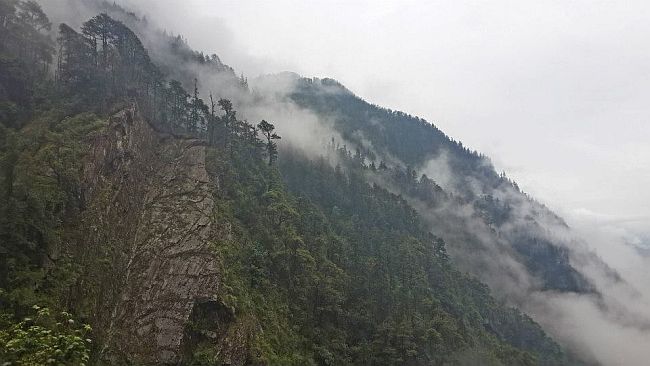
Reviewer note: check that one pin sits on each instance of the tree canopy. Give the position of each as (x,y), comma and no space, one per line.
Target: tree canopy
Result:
(319,267)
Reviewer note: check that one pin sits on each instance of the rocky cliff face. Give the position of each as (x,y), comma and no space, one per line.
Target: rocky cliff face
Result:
(149,215)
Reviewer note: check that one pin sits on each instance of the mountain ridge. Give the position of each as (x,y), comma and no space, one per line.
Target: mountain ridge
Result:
(342,257)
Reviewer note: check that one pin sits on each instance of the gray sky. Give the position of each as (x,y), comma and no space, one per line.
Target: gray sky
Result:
(557,93)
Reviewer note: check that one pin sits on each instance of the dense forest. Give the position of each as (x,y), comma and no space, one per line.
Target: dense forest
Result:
(314,263)
(391,147)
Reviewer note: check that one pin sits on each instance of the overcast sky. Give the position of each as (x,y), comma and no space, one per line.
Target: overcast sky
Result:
(557,93)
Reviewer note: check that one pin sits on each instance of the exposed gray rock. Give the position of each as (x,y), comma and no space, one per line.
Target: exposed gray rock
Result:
(151,199)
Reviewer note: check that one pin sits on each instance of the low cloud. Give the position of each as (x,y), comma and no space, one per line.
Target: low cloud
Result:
(611,326)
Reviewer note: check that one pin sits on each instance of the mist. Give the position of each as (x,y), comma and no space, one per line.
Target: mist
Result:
(555,94)
(610,326)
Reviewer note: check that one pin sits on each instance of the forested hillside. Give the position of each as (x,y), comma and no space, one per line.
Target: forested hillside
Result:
(145,221)
(400,150)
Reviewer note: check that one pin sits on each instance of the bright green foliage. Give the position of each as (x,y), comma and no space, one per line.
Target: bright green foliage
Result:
(45,339)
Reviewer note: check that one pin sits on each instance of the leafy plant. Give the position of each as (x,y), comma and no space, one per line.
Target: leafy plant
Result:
(45,339)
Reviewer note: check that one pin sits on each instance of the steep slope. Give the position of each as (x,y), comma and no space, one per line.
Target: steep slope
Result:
(171,229)
(474,207)
(150,202)
(398,264)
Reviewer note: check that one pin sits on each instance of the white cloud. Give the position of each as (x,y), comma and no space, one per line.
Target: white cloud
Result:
(555,92)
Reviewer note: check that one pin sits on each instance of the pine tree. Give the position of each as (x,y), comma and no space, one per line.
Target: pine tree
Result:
(267,130)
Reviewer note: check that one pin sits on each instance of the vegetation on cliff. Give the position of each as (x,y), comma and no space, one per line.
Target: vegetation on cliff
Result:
(321,267)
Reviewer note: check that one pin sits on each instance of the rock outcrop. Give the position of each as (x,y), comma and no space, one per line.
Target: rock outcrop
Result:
(151,209)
